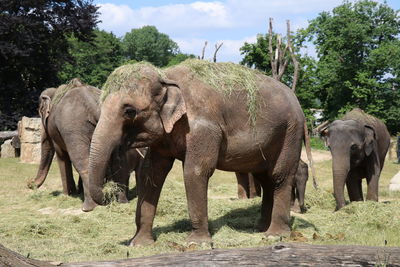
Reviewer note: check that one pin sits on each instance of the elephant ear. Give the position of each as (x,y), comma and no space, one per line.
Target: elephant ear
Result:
(174,106)
(370,140)
(44,108)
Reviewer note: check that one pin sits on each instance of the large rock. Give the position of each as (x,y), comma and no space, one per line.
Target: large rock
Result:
(7,150)
(395,183)
(29,133)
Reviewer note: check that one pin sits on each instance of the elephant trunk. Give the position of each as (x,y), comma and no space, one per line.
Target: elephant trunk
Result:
(340,168)
(105,138)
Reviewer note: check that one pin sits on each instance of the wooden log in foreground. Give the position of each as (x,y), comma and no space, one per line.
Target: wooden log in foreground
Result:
(291,254)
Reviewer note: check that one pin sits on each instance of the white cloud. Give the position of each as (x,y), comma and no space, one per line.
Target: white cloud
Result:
(229,21)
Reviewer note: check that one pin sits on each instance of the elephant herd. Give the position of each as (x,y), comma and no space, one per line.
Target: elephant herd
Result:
(209,116)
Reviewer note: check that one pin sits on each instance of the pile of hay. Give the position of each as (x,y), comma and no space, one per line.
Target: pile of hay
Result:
(359,115)
(227,77)
(63,89)
(126,76)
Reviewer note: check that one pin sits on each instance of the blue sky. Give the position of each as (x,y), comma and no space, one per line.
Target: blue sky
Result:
(233,22)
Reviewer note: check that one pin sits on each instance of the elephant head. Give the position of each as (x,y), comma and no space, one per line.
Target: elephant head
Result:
(45,104)
(350,142)
(140,111)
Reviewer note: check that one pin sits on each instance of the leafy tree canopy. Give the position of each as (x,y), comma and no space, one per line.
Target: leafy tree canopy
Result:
(148,44)
(359,58)
(33,48)
(92,62)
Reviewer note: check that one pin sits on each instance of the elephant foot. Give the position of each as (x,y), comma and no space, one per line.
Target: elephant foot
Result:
(31,184)
(282,231)
(138,241)
(199,238)
(88,205)
(296,208)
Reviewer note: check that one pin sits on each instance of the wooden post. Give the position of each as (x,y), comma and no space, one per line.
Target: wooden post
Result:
(203,50)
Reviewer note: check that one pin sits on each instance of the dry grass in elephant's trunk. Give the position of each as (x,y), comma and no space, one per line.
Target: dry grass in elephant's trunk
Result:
(111,191)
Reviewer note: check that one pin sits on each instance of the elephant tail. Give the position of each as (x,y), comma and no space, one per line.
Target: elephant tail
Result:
(306,139)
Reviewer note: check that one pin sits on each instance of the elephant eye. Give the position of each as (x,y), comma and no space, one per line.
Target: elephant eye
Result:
(130,112)
(353,147)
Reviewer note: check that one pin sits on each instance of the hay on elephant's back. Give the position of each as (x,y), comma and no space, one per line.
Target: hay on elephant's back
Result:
(358,114)
(228,77)
(126,76)
(63,89)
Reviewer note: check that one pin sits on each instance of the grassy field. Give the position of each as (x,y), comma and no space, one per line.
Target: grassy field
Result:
(47,225)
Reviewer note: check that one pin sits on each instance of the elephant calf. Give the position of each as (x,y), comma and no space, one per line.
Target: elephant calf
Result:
(69,116)
(358,144)
(248,187)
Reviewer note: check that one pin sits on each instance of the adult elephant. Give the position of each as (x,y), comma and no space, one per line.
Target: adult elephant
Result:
(69,115)
(208,115)
(358,144)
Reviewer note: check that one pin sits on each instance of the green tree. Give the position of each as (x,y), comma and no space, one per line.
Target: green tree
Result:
(358,49)
(33,48)
(92,62)
(178,58)
(148,44)
(256,55)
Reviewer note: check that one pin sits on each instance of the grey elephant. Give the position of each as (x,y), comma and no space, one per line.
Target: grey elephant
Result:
(209,116)
(358,144)
(248,187)
(69,115)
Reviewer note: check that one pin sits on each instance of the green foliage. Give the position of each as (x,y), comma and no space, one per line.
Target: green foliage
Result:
(359,56)
(257,56)
(92,62)
(317,143)
(175,60)
(33,49)
(148,44)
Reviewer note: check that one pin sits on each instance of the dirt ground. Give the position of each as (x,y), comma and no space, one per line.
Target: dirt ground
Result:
(318,155)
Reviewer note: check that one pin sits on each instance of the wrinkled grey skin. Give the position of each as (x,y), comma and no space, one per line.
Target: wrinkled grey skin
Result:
(358,145)
(68,127)
(248,187)
(183,118)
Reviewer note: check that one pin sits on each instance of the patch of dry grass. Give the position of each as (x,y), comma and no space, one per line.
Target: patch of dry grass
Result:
(48,225)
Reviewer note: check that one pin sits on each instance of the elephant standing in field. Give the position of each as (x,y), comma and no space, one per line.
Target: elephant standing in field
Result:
(248,187)
(358,144)
(208,115)
(69,115)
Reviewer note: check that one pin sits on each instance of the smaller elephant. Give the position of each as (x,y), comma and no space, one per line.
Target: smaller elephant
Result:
(358,144)
(248,187)
(69,116)
(299,187)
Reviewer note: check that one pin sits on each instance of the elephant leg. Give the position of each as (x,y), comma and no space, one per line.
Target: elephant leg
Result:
(150,181)
(373,173)
(254,187)
(267,200)
(46,158)
(80,185)
(243,185)
(200,163)
(79,154)
(67,178)
(354,188)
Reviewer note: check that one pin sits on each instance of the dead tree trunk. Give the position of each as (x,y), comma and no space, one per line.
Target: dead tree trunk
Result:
(217,47)
(11,258)
(203,50)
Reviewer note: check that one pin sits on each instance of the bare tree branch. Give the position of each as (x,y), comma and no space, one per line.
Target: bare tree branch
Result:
(203,50)
(295,62)
(271,54)
(217,47)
